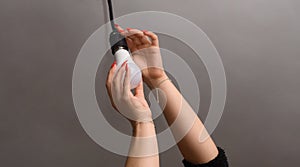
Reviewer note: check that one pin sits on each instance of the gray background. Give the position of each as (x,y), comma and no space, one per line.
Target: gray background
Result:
(259,43)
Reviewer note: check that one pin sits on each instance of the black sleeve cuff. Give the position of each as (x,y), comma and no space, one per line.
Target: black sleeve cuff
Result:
(219,161)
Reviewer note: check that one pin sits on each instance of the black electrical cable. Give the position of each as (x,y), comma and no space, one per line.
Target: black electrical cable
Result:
(111,14)
(117,41)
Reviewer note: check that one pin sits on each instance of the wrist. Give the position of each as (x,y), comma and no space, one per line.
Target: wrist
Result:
(158,83)
(155,82)
(143,129)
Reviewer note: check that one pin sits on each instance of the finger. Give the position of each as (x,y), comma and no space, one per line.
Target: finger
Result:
(135,36)
(129,42)
(130,33)
(153,37)
(131,45)
(108,83)
(126,34)
(145,40)
(139,90)
(110,76)
(118,79)
(134,32)
(120,30)
(136,41)
(127,81)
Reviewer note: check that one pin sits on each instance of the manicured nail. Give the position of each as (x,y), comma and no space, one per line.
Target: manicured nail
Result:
(145,31)
(128,29)
(113,64)
(126,67)
(121,30)
(125,62)
(116,25)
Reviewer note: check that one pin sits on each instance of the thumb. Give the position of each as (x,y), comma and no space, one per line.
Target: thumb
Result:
(139,90)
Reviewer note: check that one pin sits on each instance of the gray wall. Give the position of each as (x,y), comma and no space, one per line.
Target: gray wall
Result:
(258,42)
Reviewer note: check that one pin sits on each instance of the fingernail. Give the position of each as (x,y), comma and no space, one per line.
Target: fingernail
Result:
(145,31)
(126,67)
(128,29)
(113,64)
(116,25)
(125,62)
(121,30)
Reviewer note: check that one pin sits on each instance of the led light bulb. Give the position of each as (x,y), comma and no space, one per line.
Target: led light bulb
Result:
(123,55)
(119,49)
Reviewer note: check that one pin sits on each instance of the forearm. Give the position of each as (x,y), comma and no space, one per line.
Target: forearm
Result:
(143,149)
(184,122)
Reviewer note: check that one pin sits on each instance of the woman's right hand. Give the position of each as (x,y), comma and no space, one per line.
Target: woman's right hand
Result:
(144,46)
(133,106)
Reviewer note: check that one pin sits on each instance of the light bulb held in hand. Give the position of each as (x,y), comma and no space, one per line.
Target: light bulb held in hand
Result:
(123,55)
(119,49)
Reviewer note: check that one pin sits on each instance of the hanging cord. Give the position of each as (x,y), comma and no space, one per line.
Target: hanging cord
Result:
(111,15)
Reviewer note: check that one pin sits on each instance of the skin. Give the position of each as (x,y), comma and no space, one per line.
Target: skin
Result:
(140,129)
(187,123)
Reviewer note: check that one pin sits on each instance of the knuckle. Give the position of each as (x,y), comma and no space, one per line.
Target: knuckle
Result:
(113,84)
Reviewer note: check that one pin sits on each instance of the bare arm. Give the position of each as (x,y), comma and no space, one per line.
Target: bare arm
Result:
(143,150)
(145,49)
(187,124)
(147,149)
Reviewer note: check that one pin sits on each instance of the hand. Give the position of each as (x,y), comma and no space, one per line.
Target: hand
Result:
(144,46)
(133,106)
